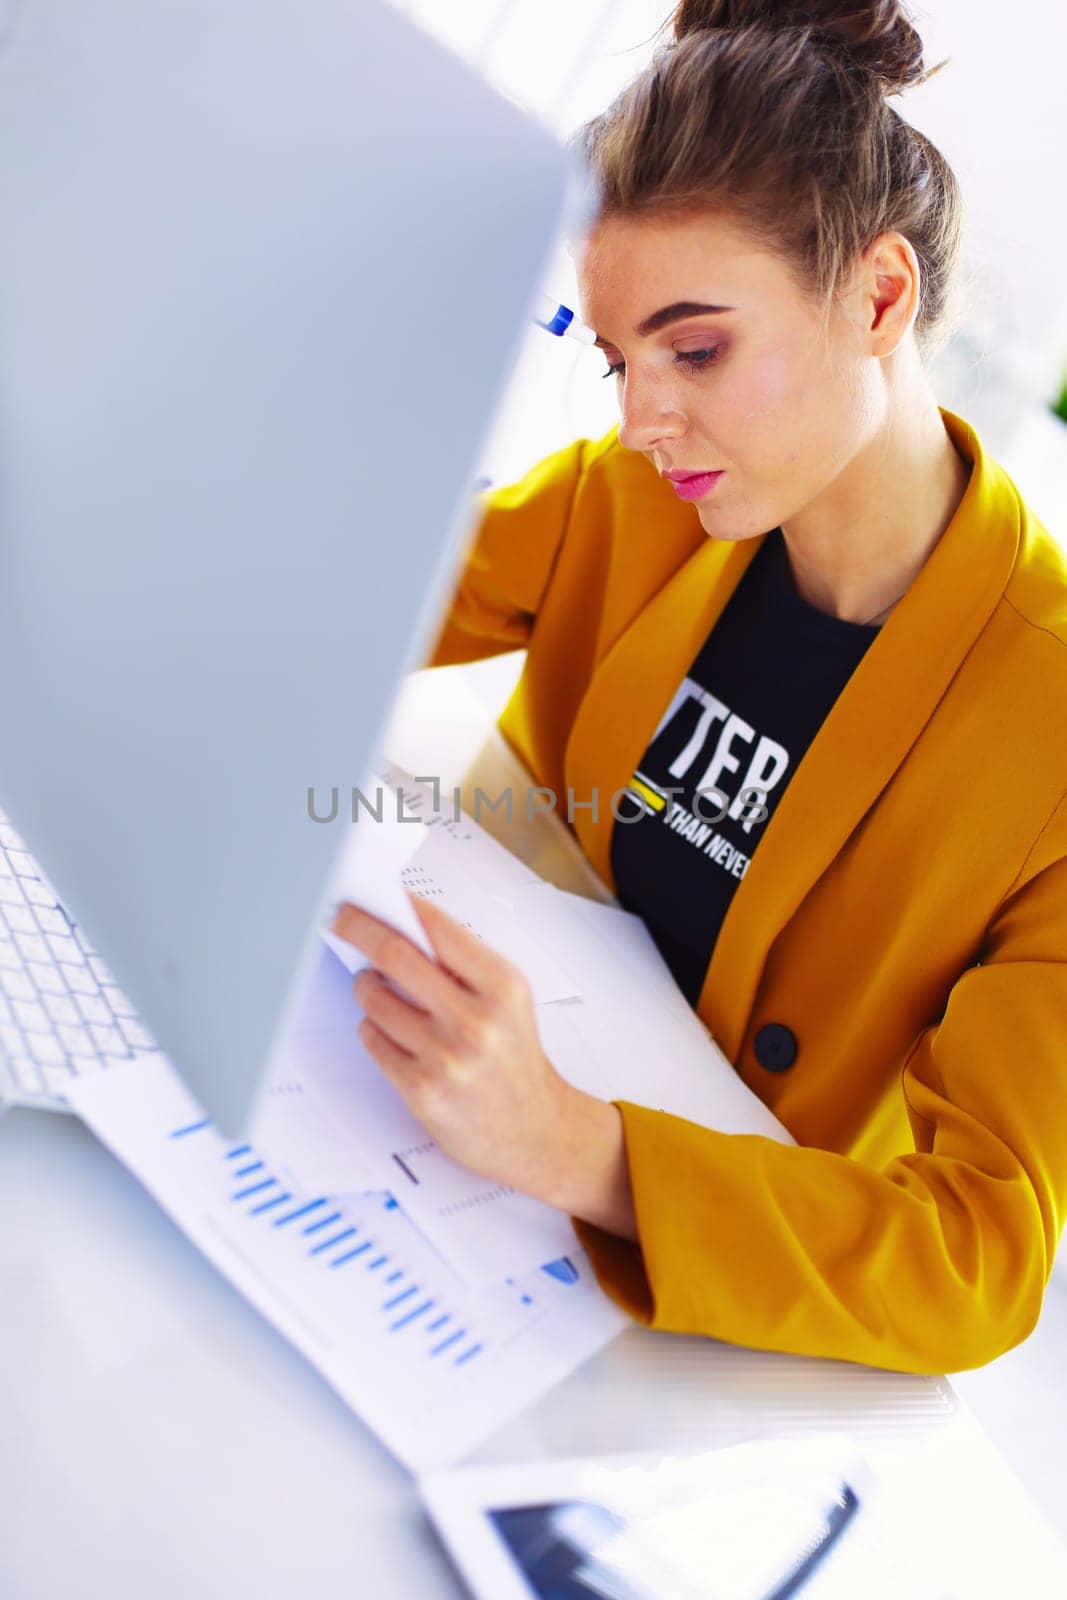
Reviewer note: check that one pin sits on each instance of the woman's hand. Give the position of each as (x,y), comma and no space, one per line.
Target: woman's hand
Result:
(461,1047)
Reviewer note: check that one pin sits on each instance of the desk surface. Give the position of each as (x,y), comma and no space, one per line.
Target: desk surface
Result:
(160,1438)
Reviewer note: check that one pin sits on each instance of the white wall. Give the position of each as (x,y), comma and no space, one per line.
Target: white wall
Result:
(999,113)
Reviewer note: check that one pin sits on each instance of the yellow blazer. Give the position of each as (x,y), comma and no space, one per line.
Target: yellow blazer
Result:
(905,915)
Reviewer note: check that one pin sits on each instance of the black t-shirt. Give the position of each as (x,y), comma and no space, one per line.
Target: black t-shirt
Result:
(761,687)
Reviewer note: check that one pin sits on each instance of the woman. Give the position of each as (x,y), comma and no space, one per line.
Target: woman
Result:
(867,701)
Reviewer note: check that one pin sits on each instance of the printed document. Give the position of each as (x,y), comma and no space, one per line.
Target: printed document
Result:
(610,1018)
(431,1366)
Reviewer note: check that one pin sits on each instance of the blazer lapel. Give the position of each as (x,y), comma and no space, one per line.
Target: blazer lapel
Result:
(874,723)
(634,681)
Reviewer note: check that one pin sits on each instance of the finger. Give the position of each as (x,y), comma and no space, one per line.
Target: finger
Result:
(405,1024)
(475,963)
(394,954)
(393,1060)
(360,928)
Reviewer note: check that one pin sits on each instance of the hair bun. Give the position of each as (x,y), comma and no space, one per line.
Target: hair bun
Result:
(877,36)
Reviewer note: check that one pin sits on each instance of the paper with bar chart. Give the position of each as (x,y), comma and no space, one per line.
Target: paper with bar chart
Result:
(607,1008)
(432,1366)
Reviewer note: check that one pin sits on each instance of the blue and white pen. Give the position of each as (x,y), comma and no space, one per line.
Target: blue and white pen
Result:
(560,320)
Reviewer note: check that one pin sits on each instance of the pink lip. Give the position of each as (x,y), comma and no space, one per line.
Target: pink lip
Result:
(692,485)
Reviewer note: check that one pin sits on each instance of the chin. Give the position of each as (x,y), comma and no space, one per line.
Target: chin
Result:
(718,526)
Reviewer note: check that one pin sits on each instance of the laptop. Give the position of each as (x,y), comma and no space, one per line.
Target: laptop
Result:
(266,267)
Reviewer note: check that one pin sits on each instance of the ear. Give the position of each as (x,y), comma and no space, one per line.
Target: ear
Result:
(889,282)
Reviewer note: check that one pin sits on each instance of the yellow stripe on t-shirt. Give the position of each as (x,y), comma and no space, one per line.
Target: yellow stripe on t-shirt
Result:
(650,797)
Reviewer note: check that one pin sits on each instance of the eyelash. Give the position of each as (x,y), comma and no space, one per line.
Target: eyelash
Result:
(684,358)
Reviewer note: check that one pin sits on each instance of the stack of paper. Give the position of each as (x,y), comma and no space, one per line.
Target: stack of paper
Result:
(432,1366)
(437,1302)
(610,1016)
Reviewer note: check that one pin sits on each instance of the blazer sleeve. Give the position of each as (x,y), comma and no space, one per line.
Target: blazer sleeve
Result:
(937,1262)
(508,560)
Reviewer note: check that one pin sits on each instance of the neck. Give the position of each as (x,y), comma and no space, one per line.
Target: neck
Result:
(855,551)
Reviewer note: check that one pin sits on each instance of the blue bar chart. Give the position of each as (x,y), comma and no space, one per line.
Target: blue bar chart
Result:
(430,1362)
(328,1234)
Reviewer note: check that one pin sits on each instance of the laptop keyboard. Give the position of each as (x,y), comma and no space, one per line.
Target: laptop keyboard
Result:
(61,1012)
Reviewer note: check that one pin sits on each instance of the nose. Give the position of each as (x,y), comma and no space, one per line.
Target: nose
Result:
(648,411)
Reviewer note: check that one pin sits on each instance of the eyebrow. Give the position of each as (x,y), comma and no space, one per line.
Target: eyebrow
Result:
(672,313)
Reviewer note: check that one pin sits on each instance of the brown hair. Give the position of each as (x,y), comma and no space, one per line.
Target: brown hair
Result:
(778,110)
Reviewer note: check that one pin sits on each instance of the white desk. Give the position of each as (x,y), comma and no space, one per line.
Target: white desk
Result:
(159,1439)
